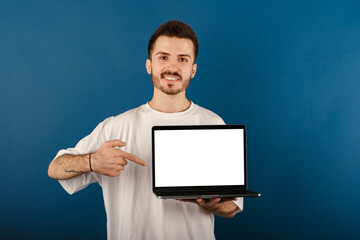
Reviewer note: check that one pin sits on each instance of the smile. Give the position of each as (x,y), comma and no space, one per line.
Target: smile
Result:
(171,78)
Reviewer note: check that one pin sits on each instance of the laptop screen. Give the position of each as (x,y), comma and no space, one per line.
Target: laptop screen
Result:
(198,156)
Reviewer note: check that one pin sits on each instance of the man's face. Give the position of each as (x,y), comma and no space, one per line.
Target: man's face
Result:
(171,65)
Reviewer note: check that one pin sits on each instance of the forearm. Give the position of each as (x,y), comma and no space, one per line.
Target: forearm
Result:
(225,209)
(68,166)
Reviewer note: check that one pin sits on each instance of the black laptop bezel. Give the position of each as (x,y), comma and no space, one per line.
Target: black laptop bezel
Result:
(208,190)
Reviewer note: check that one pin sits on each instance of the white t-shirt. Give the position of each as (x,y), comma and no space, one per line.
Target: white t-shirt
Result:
(132,209)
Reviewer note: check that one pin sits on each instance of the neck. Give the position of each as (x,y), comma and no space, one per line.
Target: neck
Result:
(169,103)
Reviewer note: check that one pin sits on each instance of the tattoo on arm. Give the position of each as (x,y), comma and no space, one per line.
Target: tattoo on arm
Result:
(73,171)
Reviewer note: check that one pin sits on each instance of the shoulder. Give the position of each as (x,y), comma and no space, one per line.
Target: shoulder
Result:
(209,115)
(119,123)
(127,116)
(206,112)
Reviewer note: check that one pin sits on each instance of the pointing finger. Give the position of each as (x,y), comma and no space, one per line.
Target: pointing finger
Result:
(133,158)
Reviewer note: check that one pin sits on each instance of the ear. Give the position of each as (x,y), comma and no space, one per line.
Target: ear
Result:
(148,66)
(193,71)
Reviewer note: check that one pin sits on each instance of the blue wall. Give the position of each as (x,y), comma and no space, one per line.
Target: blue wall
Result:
(289,70)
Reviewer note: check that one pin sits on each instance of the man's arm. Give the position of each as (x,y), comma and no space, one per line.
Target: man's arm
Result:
(223,207)
(68,166)
(107,160)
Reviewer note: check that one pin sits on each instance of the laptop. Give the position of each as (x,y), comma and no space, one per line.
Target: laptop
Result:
(199,161)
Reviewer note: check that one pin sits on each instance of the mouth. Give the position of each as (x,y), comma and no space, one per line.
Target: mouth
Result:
(171,79)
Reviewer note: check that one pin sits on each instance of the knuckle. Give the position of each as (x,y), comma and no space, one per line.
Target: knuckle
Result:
(116,173)
(118,160)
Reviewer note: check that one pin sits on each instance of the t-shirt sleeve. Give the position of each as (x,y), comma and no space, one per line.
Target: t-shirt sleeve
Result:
(219,120)
(240,203)
(87,145)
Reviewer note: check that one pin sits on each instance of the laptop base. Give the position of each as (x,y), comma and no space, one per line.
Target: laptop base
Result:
(246,193)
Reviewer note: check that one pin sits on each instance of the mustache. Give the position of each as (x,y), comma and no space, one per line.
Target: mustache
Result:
(171,73)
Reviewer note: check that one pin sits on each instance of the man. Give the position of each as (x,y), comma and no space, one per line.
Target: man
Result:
(117,154)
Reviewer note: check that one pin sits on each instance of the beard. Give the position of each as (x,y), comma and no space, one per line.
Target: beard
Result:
(170,89)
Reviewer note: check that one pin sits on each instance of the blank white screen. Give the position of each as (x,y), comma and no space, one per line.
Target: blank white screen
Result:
(199,157)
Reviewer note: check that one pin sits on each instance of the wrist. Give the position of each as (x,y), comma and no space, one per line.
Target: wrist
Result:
(85,163)
(92,162)
(91,170)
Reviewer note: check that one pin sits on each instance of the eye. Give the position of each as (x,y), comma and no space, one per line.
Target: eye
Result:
(163,57)
(182,59)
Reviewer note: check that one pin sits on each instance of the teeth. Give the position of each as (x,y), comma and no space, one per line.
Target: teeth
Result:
(170,78)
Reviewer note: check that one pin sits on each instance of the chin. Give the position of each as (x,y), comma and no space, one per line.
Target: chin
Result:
(172,93)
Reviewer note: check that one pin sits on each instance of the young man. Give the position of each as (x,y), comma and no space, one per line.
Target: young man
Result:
(117,154)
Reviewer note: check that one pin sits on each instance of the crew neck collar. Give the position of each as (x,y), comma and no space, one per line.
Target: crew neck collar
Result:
(170,115)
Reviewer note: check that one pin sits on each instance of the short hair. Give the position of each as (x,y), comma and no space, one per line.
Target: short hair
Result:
(174,28)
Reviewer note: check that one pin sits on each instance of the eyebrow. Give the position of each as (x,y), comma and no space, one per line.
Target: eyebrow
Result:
(168,54)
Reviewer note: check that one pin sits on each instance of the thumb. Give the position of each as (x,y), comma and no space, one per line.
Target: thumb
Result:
(115,143)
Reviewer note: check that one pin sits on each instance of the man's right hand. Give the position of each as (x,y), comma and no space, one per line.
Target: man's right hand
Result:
(110,161)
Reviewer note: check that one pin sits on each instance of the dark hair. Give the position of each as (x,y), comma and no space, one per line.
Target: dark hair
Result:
(174,28)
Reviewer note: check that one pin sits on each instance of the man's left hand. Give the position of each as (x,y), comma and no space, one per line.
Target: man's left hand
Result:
(223,207)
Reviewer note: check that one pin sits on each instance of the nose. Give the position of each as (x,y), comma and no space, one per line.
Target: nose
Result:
(173,65)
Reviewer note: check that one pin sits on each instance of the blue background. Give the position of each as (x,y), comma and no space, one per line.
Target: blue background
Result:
(289,70)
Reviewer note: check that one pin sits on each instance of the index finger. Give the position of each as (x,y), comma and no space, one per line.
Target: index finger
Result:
(133,158)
